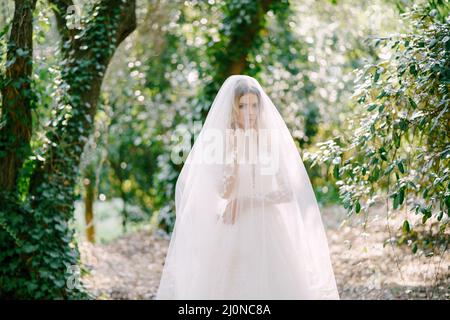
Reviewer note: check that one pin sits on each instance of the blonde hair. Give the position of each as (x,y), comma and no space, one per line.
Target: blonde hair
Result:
(242,88)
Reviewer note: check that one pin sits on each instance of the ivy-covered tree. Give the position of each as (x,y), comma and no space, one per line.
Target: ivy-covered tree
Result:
(17,96)
(38,253)
(242,33)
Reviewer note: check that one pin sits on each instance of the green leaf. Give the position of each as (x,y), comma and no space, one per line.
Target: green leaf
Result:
(406,228)
(375,174)
(414,247)
(401,167)
(401,196)
(357,207)
(396,140)
(395,204)
(403,124)
(336,171)
(425,192)
(372,106)
(382,152)
(413,70)
(377,74)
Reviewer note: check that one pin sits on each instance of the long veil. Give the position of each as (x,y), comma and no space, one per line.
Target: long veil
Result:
(247,221)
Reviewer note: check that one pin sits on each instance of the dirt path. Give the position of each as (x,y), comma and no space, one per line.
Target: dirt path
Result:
(130,267)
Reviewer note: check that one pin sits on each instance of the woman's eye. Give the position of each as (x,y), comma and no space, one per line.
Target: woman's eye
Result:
(241,106)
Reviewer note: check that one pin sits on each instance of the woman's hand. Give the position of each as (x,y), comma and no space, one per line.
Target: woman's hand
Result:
(229,216)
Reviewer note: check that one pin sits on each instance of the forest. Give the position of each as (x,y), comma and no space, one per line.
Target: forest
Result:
(100,98)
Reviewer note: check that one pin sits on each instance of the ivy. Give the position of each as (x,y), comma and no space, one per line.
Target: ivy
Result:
(38,250)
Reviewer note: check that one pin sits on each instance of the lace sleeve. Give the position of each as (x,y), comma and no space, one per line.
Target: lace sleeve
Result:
(228,181)
(281,195)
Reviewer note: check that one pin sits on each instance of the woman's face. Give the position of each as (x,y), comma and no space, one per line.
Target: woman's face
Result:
(248,110)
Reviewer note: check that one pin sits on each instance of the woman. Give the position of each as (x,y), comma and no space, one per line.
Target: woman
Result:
(247,222)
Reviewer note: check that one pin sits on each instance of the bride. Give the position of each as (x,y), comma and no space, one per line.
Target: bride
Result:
(247,221)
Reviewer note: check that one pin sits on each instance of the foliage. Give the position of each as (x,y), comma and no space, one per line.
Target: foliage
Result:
(398,147)
(44,262)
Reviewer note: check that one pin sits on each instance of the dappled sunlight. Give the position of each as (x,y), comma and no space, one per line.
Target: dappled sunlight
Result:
(114,135)
(367,269)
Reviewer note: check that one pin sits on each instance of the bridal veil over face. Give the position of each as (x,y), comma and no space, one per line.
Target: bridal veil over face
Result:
(248,225)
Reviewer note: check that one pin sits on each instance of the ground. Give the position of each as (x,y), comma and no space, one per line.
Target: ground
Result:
(130,267)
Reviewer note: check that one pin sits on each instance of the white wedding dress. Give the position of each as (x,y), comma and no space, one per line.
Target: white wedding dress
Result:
(260,262)
(246,229)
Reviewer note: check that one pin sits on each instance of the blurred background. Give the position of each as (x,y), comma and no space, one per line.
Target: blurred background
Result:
(362,85)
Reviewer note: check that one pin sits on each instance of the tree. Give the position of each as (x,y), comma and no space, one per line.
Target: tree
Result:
(17,99)
(244,25)
(398,150)
(37,249)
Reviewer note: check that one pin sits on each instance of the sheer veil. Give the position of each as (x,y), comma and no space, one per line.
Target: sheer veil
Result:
(247,221)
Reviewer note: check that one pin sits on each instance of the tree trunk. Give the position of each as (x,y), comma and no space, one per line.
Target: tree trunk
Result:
(242,42)
(232,56)
(89,210)
(17,97)
(42,224)
(124,212)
